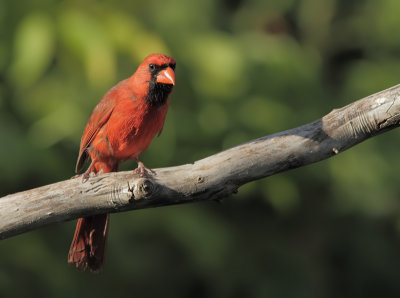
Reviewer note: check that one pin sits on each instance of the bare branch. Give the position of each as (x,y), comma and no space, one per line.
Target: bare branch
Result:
(211,178)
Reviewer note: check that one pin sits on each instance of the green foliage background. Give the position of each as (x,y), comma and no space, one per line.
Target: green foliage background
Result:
(244,69)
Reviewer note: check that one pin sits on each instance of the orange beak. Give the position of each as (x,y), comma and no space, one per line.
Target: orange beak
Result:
(166,76)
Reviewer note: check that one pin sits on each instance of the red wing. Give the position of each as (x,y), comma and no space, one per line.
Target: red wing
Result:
(99,117)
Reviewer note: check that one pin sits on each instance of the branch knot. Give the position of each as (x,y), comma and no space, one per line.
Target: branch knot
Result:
(143,189)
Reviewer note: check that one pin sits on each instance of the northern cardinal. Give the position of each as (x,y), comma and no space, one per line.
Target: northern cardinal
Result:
(121,127)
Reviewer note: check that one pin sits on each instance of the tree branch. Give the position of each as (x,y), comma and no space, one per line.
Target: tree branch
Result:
(211,178)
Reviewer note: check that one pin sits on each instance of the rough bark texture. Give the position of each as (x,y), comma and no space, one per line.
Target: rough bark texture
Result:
(211,178)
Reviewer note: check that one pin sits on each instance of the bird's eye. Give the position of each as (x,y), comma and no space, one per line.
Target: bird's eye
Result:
(172,66)
(152,66)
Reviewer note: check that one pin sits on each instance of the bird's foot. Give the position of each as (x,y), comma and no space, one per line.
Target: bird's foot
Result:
(87,175)
(143,171)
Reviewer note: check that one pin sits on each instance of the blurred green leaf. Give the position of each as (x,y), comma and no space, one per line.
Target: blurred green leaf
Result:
(56,126)
(282,193)
(34,47)
(213,119)
(262,114)
(86,38)
(218,66)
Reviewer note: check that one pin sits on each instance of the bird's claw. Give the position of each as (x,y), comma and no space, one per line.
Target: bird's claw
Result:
(86,176)
(143,171)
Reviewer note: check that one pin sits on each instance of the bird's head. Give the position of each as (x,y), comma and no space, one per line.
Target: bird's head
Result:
(155,78)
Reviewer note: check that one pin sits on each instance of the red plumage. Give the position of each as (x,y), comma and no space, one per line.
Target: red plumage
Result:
(121,127)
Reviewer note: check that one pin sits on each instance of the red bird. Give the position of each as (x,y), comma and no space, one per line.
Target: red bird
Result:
(121,127)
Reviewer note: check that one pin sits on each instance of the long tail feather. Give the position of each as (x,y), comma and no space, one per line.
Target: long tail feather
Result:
(88,246)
